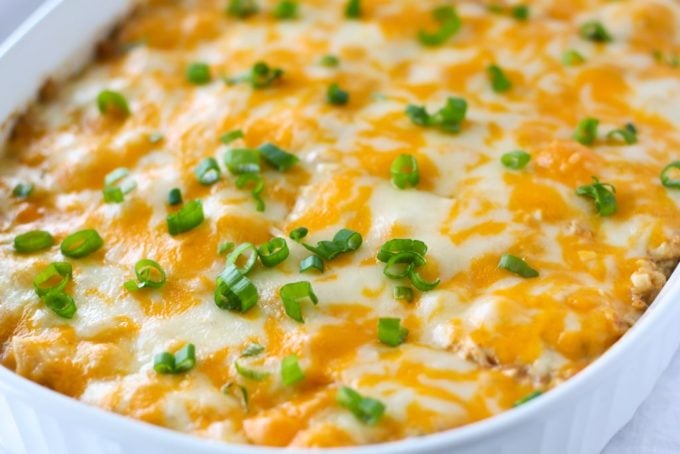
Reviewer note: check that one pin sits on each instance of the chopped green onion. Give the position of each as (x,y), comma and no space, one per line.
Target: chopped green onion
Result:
(149,275)
(199,73)
(670,175)
(366,409)
(273,252)
(251,258)
(242,8)
(286,9)
(311,263)
(298,234)
(392,268)
(336,95)
(499,81)
(353,9)
(60,303)
(628,133)
(421,284)
(403,293)
(252,350)
(227,390)
(594,31)
(404,171)
(156,137)
(187,218)
(250,373)
(520,12)
(603,194)
(185,359)
(527,398)
(416,248)
(81,244)
(242,160)
(116,185)
(291,373)
(258,186)
(292,294)
(229,137)
(572,57)
(182,361)
(330,61)
(586,131)
(112,102)
(390,332)
(175,197)
(276,157)
(33,241)
(234,291)
(449,25)
(261,75)
(516,160)
(225,247)
(207,172)
(449,118)
(344,241)
(22,190)
(517,265)
(53,278)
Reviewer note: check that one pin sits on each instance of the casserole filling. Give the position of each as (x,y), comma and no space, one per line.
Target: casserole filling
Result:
(328,223)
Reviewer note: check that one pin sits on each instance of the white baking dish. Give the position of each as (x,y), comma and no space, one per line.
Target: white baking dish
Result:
(578,417)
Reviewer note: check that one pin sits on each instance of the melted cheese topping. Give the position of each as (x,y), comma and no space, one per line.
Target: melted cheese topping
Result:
(481,340)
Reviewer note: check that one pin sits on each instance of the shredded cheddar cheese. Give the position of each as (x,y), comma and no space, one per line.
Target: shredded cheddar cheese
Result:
(546,238)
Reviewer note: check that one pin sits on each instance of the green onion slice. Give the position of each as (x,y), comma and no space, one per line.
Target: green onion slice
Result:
(185,359)
(149,275)
(164,363)
(81,244)
(353,9)
(53,278)
(60,303)
(199,73)
(366,409)
(175,197)
(113,102)
(517,265)
(229,137)
(292,294)
(225,247)
(330,61)
(234,291)
(252,350)
(207,172)
(258,186)
(403,294)
(187,218)
(311,263)
(527,398)
(242,160)
(278,158)
(415,248)
(228,390)
(242,8)
(586,131)
(670,175)
(420,283)
(520,12)
(499,81)
(628,134)
(603,195)
(117,184)
(516,160)
(572,57)
(400,265)
(273,252)
(448,119)
(449,25)
(336,95)
(404,171)
(344,241)
(249,251)
(594,31)
(291,373)
(390,332)
(298,234)
(22,190)
(33,241)
(286,9)
(250,374)
(261,75)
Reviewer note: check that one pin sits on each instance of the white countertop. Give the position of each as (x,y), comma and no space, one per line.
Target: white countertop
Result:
(655,429)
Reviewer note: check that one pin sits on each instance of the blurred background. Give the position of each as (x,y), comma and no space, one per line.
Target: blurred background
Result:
(12,12)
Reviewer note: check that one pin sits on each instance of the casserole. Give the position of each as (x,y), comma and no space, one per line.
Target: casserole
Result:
(552,435)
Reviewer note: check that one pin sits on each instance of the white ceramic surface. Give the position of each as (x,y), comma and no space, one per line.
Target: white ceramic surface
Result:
(578,417)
